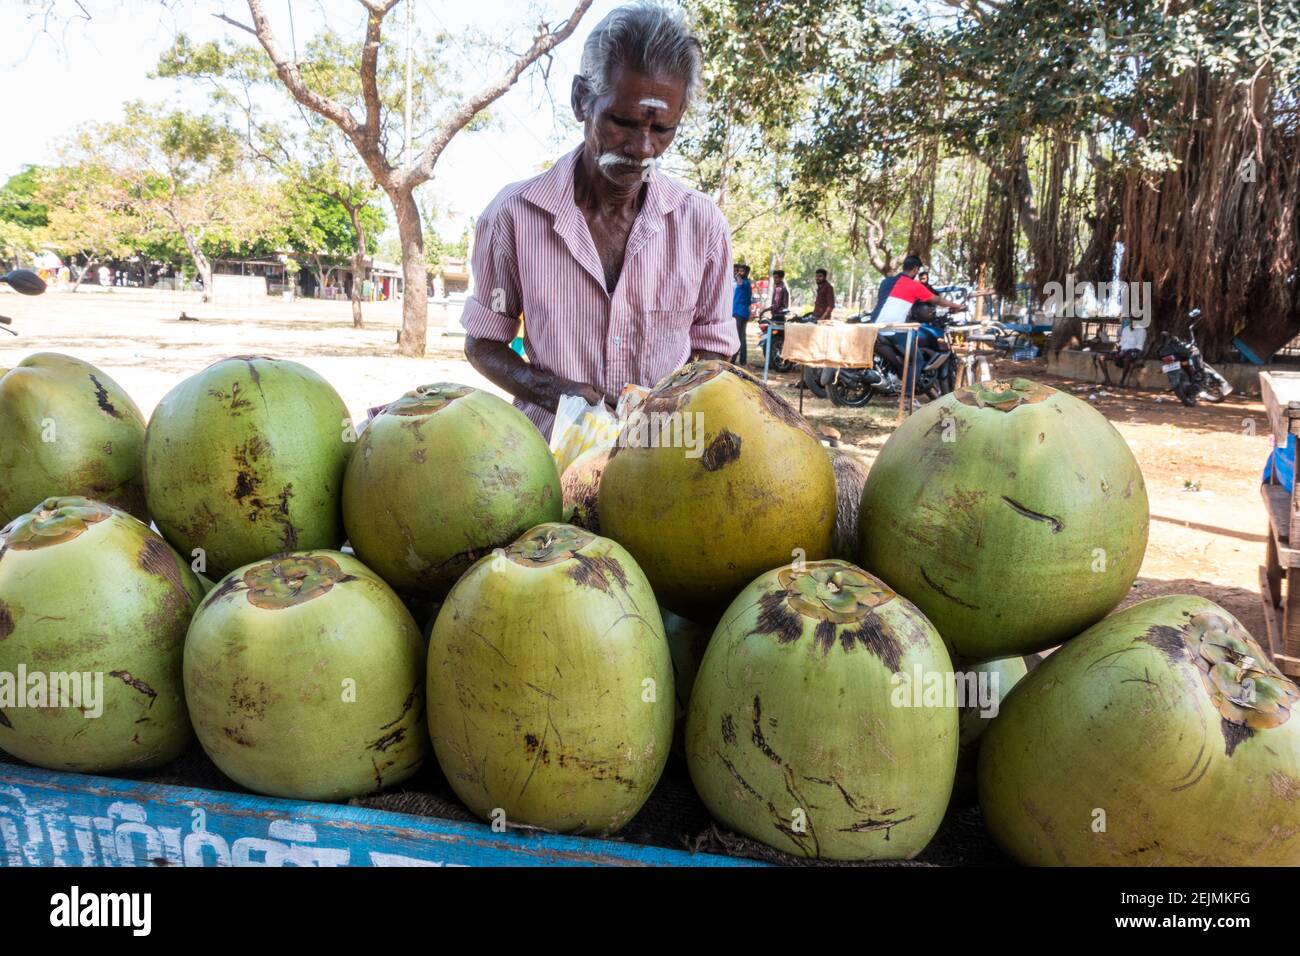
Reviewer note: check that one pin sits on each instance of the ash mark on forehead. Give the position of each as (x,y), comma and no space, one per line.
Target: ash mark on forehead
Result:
(653,103)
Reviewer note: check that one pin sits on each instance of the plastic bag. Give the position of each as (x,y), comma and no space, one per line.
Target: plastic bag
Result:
(580,428)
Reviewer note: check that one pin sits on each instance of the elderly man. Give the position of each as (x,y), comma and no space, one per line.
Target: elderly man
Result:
(621,275)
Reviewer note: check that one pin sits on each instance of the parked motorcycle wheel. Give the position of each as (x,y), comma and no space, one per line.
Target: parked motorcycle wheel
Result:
(778,363)
(812,381)
(851,392)
(1187,393)
(1213,392)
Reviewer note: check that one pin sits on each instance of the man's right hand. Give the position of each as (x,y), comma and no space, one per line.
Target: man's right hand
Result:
(501,366)
(589,393)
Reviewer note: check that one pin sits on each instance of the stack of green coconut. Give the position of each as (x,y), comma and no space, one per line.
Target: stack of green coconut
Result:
(835,654)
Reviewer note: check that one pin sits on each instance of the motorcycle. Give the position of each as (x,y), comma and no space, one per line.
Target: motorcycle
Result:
(972,344)
(855,387)
(24,281)
(818,380)
(771,336)
(1190,376)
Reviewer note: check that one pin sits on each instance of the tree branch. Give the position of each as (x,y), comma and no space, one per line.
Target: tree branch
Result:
(235,23)
(290,75)
(370,69)
(421,168)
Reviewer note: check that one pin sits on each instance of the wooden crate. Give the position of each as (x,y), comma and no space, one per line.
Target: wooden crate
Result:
(65,819)
(1279,587)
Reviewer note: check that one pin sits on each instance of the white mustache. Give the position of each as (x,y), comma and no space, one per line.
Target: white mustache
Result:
(617,159)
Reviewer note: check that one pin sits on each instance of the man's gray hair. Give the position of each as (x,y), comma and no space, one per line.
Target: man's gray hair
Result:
(647,37)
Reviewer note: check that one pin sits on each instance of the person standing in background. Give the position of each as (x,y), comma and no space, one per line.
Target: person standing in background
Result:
(824,305)
(779,308)
(780,295)
(742,301)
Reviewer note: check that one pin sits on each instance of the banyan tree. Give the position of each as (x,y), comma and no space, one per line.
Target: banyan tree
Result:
(1026,140)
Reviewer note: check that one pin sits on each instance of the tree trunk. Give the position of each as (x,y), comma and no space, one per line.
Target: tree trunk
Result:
(205,273)
(413,338)
(358,266)
(358,261)
(853,277)
(200,263)
(81,276)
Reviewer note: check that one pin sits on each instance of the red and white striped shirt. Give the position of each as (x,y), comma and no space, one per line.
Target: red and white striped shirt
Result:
(534,255)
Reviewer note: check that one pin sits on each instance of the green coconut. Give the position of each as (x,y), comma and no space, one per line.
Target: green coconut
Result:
(305,678)
(1013,514)
(550,684)
(67,429)
(443,476)
(580,485)
(92,605)
(812,727)
(715,480)
(988,683)
(1162,736)
(246,459)
(687,642)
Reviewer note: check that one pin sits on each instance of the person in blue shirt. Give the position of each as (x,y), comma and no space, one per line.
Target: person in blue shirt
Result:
(742,298)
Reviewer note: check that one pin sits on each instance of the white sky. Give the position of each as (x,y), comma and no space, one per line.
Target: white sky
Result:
(85,71)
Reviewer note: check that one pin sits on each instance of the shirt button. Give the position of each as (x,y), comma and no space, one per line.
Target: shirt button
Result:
(618,339)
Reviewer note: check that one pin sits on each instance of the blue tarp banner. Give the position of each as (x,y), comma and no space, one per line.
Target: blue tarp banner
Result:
(1283,460)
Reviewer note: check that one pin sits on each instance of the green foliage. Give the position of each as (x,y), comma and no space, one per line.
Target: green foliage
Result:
(89,211)
(172,184)
(16,242)
(320,224)
(323,176)
(243,83)
(18,202)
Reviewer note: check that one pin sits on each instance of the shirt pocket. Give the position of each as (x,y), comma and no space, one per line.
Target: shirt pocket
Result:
(674,288)
(664,342)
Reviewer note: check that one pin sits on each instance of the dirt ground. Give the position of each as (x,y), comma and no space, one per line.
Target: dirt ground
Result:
(1202,465)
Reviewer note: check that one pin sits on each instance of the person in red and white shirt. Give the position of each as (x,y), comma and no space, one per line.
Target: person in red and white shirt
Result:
(620,274)
(894,304)
(906,291)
